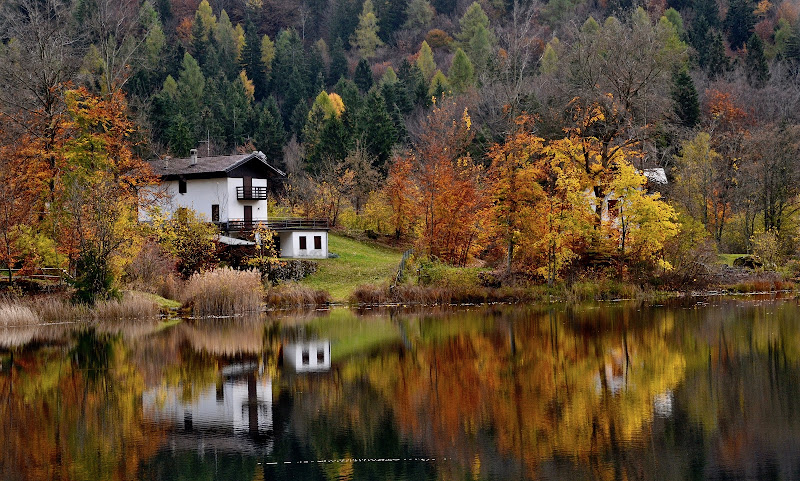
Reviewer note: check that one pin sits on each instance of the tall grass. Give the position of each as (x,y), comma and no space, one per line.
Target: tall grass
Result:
(133,305)
(223,291)
(292,295)
(15,314)
(407,294)
(59,308)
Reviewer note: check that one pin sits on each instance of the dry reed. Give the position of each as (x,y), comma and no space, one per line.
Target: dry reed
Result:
(292,295)
(133,305)
(404,294)
(223,291)
(15,314)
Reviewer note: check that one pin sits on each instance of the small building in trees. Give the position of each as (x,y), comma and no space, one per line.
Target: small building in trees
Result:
(232,192)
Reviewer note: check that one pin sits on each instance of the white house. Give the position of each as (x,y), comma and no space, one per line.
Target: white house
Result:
(231,191)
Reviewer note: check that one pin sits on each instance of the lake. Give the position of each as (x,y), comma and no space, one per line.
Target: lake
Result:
(697,389)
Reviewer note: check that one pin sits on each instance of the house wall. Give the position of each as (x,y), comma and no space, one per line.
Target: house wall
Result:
(290,244)
(201,194)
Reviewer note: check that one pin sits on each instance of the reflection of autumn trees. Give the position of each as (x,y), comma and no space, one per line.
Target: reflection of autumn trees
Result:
(541,389)
(74,413)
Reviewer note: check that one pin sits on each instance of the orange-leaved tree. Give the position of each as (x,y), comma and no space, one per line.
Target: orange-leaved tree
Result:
(98,192)
(538,204)
(450,197)
(22,180)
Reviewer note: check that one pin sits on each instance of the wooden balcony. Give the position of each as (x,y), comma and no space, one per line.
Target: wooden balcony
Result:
(251,193)
(277,225)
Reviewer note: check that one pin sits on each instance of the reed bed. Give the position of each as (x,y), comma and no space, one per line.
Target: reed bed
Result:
(293,295)
(15,314)
(378,295)
(223,292)
(59,308)
(133,305)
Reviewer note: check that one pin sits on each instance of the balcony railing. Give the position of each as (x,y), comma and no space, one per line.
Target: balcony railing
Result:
(278,225)
(251,193)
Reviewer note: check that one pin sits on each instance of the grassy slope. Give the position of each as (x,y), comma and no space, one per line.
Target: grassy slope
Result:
(358,264)
(729,258)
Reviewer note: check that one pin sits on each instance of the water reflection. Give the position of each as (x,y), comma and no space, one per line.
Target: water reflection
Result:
(611,392)
(234,415)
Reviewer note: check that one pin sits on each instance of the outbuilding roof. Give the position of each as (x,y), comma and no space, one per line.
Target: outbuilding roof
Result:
(206,167)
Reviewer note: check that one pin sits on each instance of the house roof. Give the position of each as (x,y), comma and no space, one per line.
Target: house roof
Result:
(170,168)
(656,175)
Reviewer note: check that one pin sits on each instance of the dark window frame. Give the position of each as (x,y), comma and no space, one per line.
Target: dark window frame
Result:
(214,212)
(303,243)
(181,186)
(317,242)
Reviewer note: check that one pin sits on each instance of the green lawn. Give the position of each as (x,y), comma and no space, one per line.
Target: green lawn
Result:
(358,263)
(728,259)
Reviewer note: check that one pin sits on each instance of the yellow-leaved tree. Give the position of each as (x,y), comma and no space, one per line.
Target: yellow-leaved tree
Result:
(644,221)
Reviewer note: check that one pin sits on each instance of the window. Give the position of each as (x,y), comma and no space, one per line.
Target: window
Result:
(214,212)
(181,186)
(306,357)
(303,243)
(318,242)
(320,356)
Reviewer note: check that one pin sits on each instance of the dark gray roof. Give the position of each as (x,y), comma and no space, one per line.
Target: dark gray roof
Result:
(207,166)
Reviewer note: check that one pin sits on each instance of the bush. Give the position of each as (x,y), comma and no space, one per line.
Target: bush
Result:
(275,271)
(223,291)
(439,274)
(149,269)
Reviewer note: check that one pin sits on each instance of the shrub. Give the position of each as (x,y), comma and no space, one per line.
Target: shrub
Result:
(282,270)
(438,38)
(149,269)
(223,291)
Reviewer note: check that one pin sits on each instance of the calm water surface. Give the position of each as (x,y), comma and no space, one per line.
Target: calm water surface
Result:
(694,390)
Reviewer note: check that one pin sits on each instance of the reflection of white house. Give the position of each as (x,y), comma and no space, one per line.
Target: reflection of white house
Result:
(231,191)
(312,356)
(218,415)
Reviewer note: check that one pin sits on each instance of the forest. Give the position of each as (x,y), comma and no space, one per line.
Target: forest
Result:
(509,134)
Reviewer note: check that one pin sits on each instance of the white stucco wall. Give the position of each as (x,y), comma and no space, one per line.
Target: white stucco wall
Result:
(201,194)
(290,244)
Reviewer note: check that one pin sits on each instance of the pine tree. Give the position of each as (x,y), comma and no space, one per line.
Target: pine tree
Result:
(338,67)
(252,61)
(461,72)
(439,85)
(267,53)
(375,128)
(755,63)
(363,76)
(365,38)
(739,22)
(549,62)
(349,93)
(191,85)
(419,14)
(225,39)
(716,61)
(475,36)
(425,61)
(684,99)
